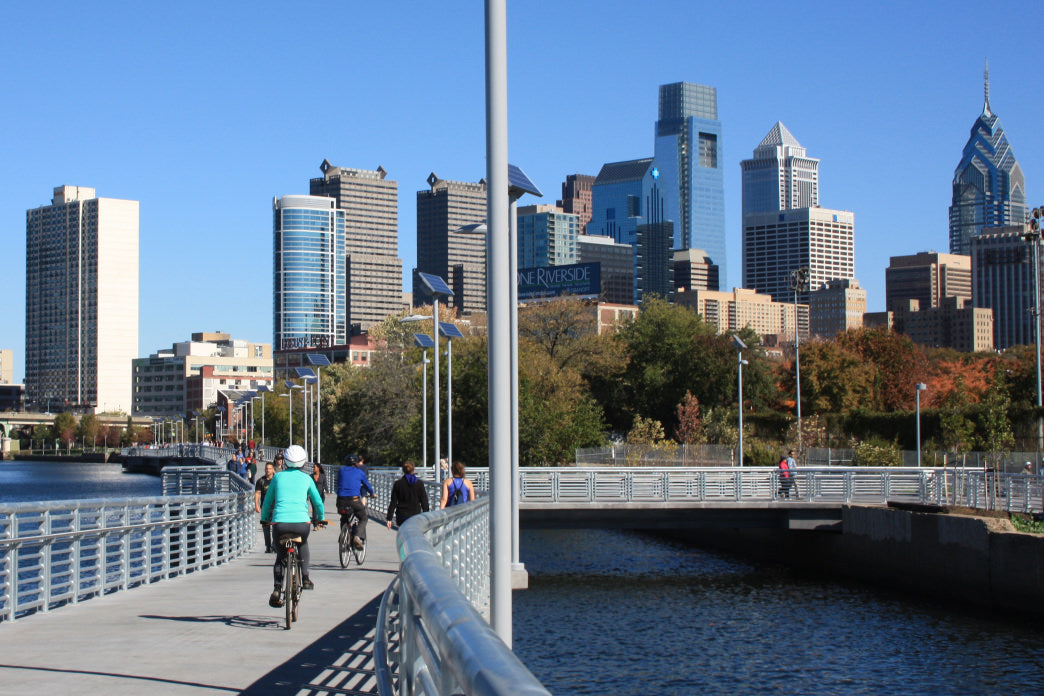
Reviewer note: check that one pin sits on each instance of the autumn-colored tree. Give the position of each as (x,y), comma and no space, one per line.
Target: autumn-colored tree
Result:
(898,365)
(833,379)
(64,427)
(690,425)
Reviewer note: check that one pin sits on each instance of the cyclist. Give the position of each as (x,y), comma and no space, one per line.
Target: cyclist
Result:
(351,480)
(286,506)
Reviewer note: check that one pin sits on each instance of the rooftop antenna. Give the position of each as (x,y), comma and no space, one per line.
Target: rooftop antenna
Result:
(986,88)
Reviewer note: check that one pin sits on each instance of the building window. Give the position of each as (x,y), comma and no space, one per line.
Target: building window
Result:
(709,150)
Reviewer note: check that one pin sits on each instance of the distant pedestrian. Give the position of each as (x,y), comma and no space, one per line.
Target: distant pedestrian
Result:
(319,476)
(787,467)
(251,466)
(457,490)
(409,497)
(260,489)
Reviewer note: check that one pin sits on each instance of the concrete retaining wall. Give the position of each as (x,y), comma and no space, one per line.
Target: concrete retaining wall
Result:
(967,558)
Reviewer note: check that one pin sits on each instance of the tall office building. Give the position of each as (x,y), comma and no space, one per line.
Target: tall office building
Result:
(688,166)
(780,175)
(927,277)
(774,244)
(1002,280)
(616,263)
(309,284)
(546,236)
(836,307)
(81,301)
(443,249)
(989,189)
(576,198)
(629,205)
(6,366)
(783,226)
(373,269)
(694,270)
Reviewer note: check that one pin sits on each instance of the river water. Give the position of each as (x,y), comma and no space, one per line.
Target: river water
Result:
(610,612)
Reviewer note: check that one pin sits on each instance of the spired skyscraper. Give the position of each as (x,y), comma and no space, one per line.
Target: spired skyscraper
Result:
(81,301)
(687,166)
(989,189)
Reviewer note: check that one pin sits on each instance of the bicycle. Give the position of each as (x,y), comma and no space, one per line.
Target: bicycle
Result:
(292,575)
(345,546)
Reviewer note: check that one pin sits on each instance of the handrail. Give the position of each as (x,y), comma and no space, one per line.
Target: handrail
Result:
(54,553)
(433,635)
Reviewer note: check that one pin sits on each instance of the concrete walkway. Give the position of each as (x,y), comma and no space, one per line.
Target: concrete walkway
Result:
(212,632)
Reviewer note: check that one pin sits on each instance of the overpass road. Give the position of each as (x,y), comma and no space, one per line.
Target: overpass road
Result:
(211,632)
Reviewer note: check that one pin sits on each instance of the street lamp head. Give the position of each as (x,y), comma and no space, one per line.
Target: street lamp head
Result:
(921,386)
(743,362)
(738,343)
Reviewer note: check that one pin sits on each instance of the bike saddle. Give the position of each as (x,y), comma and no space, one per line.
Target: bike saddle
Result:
(285,539)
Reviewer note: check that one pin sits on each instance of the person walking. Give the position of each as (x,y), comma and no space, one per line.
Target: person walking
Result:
(319,476)
(458,489)
(260,489)
(286,507)
(409,497)
(787,468)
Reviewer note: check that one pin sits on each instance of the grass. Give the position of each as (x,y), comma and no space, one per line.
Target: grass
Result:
(1024,523)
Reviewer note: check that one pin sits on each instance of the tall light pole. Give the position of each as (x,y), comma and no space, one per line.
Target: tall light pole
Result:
(262,390)
(450,331)
(921,386)
(436,287)
(740,362)
(290,394)
(308,375)
(219,428)
(1032,235)
(798,283)
(498,311)
(424,341)
(319,361)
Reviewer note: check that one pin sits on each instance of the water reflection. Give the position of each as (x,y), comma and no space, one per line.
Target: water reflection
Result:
(22,481)
(623,613)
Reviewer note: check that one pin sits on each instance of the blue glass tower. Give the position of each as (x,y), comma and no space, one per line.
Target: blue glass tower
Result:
(688,158)
(309,264)
(989,189)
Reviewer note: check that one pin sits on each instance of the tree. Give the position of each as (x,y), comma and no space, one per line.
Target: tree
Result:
(898,365)
(995,432)
(956,430)
(833,379)
(64,428)
(88,429)
(690,425)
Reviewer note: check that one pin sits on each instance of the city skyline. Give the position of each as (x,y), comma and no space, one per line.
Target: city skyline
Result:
(886,93)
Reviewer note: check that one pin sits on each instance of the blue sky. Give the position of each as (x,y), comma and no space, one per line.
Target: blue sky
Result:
(204,112)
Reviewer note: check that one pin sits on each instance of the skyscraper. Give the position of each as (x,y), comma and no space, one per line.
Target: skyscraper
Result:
(309,284)
(989,189)
(81,301)
(373,269)
(576,199)
(688,166)
(443,249)
(928,277)
(780,176)
(1002,280)
(783,226)
(546,236)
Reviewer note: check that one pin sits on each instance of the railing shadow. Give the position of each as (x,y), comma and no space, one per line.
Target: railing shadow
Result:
(341,661)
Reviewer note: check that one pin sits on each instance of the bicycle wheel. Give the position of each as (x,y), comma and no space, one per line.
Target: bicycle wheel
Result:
(290,593)
(343,543)
(359,553)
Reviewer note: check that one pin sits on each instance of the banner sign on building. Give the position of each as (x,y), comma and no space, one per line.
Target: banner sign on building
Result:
(583,279)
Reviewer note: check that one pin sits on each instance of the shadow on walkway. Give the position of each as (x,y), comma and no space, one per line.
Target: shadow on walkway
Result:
(340,662)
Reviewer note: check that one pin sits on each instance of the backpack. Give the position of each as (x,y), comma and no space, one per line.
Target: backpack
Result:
(458,494)
(784,468)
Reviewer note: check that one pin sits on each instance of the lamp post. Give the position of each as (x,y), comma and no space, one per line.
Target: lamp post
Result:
(308,375)
(450,331)
(1032,235)
(195,420)
(263,390)
(319,361)
(921,386)
(219,427)
(740,362)
(436,287)
(290,394)
(424,341)
(798,283)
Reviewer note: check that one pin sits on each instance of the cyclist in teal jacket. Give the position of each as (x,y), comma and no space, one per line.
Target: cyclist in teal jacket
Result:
(286,507)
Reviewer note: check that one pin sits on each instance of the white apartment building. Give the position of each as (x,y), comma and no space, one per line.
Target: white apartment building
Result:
(81,295)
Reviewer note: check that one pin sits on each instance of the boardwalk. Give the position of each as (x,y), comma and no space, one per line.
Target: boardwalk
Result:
(211,632)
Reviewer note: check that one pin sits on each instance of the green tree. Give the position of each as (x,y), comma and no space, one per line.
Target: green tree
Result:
(88,428)
(956,430)
(722,427)
(833,379)
(995,432)
(64,428)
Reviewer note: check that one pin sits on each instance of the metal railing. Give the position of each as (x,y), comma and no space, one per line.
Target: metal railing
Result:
(217,455)
(433,632)
(62,552)
(873,486)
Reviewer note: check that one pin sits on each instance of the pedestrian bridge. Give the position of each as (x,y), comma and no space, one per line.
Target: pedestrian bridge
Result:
(195,618)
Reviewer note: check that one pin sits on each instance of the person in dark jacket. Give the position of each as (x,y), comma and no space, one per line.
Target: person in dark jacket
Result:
(408,497)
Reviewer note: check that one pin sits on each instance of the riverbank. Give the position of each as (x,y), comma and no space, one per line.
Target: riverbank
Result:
(92,457)
(972,557)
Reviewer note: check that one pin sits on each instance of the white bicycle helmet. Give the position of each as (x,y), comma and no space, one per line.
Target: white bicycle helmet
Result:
(294,456)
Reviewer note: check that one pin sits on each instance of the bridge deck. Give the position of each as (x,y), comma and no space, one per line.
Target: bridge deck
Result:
(212,632)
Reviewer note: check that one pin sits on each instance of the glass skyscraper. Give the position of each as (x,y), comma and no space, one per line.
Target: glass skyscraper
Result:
(309,265)
(989,189)
(688,165)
